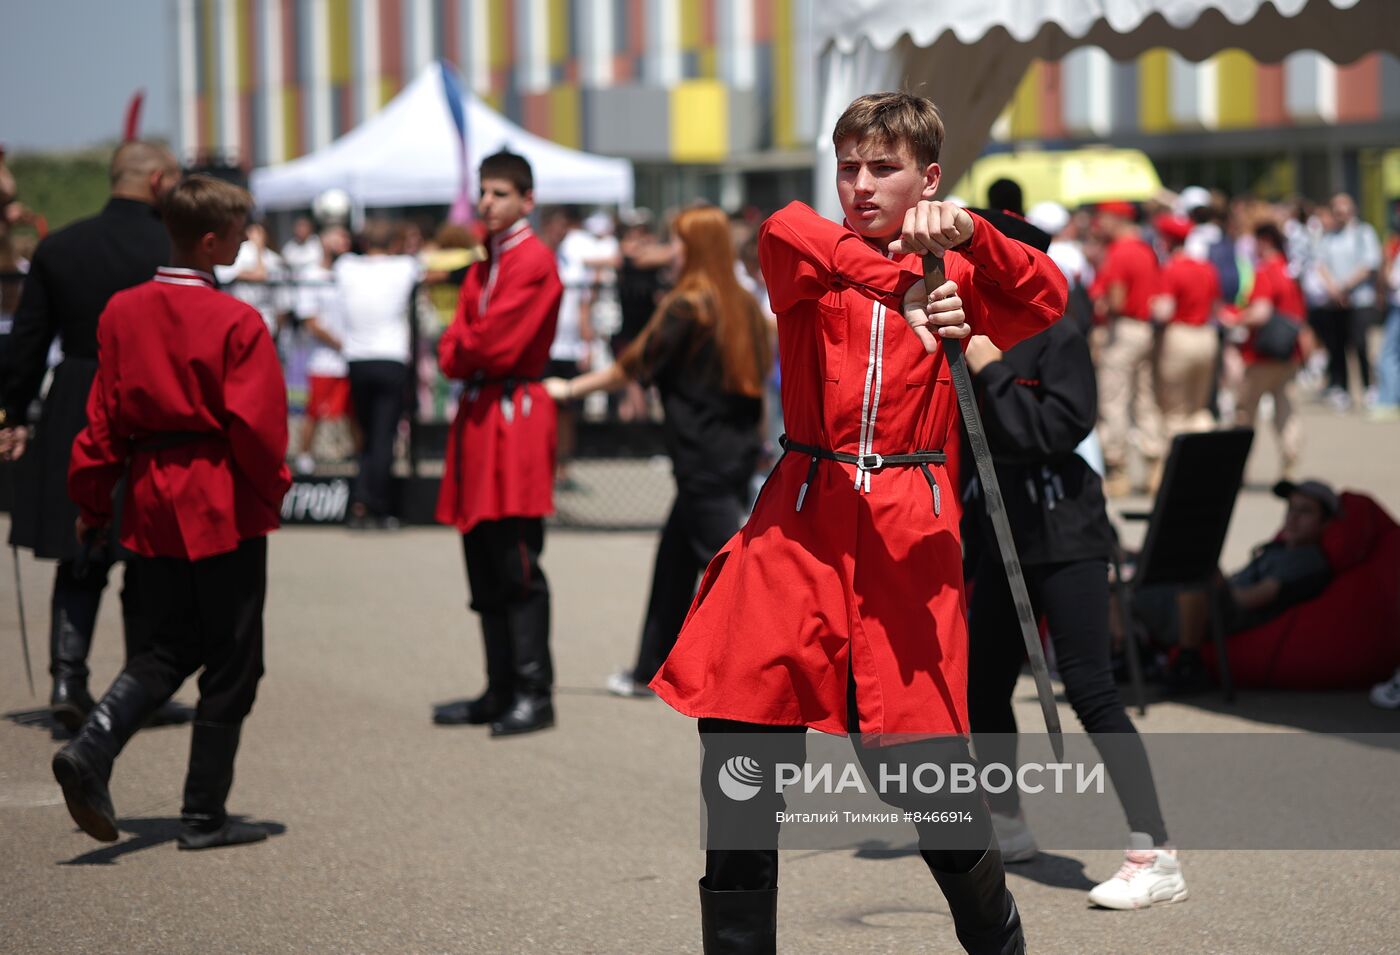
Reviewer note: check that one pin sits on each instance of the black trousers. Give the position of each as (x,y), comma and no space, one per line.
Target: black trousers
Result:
(510,592)
(698,526)
(729,869)
(1073,597)
(1343,330)
(205,613)
(377,392)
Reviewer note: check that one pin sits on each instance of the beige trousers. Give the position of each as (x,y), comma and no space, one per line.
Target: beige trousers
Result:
(1128,411)
(1272,378)
(1185,373)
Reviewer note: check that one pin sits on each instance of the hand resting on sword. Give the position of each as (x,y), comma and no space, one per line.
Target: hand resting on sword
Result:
(935,315)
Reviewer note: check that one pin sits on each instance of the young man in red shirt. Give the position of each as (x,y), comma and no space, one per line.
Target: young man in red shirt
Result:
(1275,293)
(189,404)
(1125,284)
(839,606)
(499,480)
(1187,305)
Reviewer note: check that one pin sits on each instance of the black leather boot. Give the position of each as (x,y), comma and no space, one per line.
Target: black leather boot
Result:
(73,611)
(984,913)
(532,707)
(742,922)
(500,675)
(204,822)
(84,767)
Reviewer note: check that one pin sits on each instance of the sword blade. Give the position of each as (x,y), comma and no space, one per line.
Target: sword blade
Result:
(23,630)
(996,509)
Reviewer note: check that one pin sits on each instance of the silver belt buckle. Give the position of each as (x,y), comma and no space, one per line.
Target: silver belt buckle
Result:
(870,462)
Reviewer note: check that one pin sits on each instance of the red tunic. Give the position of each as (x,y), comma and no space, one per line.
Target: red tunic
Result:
(500,451)
(1194,286)
(177,359)
(865,575)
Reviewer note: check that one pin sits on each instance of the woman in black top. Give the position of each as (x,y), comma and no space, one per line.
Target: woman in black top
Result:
(1039,401)
(706,349)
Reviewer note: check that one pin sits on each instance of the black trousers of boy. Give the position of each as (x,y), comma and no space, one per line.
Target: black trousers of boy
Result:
(209,617)
(738,895)
(510,592)
(698,526)
(377,392)
(1073,596)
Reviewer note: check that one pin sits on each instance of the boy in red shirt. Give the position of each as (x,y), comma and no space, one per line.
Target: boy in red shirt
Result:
(839,606)
(1190,296)
(499,479)
(188,404)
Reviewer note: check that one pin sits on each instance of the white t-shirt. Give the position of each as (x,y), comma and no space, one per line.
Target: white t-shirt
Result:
(269,296)
(375,291)
(576,248)
(319,298)
(302,256)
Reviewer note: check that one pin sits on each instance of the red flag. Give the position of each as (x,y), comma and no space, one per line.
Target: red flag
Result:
(133,117)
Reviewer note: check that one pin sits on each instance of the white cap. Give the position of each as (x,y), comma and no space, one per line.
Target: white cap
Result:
(1192,197)
(1049,217)
(599,223)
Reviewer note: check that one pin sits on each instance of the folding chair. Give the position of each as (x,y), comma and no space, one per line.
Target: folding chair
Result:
(1186,531)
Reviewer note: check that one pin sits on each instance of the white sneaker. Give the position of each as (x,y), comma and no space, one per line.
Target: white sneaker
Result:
(1387,695)
(622,684)
(1014,837)
(1149,876)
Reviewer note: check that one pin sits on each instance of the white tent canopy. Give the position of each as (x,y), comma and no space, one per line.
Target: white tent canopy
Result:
(969,55)
(407,154)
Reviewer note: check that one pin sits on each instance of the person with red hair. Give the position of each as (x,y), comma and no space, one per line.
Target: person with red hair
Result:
(706,349)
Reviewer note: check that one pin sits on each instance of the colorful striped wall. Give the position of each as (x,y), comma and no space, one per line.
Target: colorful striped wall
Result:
(1087,95)
(683,80)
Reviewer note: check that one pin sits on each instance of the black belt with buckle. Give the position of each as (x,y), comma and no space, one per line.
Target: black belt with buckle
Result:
(867,462)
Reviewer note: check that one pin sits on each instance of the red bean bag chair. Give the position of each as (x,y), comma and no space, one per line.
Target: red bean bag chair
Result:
(1347,638)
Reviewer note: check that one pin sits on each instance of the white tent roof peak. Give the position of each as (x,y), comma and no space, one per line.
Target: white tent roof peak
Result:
(408,154)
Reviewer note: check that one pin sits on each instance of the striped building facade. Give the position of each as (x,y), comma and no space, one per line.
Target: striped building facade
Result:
(722,87)
(1304,125)
(689,81)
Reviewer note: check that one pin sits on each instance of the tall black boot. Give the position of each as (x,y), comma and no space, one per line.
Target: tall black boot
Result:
(84,767)
(500,675)
(73,614)
(743,922)
(204,821)
(984,913)
(532,706)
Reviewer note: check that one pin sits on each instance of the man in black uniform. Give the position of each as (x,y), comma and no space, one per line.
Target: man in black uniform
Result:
(73,274)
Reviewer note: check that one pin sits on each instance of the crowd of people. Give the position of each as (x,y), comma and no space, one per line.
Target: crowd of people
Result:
(1125,323)
(1204,306)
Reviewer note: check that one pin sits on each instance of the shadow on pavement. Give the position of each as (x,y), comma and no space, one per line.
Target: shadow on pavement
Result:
(1048,868)
(149,833)
(40,719)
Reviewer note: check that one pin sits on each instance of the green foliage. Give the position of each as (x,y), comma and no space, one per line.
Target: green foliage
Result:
(62,187)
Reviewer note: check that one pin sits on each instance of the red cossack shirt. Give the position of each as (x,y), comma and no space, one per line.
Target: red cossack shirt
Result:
(500,451)
(190,403)
(839,571)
